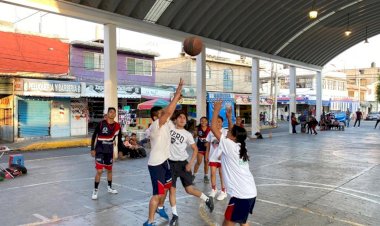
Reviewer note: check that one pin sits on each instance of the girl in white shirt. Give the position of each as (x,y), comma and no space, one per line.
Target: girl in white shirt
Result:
(214,160)
(239,181)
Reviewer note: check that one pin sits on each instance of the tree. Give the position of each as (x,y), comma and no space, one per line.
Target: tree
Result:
(378,89)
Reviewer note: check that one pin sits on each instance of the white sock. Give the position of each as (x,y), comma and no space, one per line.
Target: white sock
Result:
(204,197)
(160,207)
(174,210)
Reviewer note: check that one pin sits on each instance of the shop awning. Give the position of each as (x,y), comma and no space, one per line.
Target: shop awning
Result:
(147,105)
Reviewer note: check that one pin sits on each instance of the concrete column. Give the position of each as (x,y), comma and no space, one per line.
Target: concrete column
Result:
(255,96)
(318,110)
(292,94)
(201,84)
(110,67)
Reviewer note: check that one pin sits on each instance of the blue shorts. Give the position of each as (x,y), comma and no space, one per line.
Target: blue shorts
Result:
(238,209)
(161,177)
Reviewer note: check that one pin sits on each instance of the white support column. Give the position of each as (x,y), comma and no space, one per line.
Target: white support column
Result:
(255,96)
(318,110)
(201,84)
(292,94)
(110,67)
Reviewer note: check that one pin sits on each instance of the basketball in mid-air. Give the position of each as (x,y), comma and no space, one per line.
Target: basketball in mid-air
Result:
(192,45)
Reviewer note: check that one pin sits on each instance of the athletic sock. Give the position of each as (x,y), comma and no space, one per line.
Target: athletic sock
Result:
(160,207)
(96,185)
(213,187)
(110,183)
(174,210)
(204,197)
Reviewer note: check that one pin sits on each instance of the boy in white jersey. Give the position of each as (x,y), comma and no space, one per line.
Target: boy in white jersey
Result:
(214,161)
(158,164)
(180,167)
(237,176)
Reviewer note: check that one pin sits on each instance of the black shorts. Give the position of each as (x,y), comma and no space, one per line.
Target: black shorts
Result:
(103,160)
(179,170)
(161,177)
(238,209)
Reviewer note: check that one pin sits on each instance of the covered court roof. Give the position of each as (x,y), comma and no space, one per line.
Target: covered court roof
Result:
(272,28)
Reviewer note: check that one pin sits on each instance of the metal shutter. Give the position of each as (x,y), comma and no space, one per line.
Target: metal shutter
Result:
(33,118)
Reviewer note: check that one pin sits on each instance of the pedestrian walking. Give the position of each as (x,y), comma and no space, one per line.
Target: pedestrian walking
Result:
(359,116)
(105,134)
(348,117)
(378,120)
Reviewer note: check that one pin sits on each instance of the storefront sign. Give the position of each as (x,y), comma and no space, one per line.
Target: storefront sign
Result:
(35,87)
(220,96)
(6,102)
(130,92)
(242,99)
(153,93)
(187,101)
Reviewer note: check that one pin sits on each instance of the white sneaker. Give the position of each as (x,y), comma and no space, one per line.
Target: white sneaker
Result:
(213,193)
(94,194)
(222,195)
(111,190)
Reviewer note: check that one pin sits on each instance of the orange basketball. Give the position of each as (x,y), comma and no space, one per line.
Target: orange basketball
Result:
(192,45)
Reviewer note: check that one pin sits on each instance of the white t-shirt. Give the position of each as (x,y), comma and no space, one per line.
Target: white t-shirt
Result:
(214,143)
(159,142)
(180,139)
(236,174)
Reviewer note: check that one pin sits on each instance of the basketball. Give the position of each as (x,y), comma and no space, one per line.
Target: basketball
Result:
(192,45)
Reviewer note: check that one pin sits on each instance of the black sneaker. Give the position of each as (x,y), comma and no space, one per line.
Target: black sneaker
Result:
(192,179)
(210,203)
(174,220)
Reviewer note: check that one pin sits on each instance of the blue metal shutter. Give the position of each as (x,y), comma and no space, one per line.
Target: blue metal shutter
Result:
(33,118)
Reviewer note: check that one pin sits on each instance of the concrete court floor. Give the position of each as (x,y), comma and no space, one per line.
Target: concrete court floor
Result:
(332,178)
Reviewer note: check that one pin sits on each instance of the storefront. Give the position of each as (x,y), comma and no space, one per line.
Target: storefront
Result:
(244,106)
(43,107)
(128,98)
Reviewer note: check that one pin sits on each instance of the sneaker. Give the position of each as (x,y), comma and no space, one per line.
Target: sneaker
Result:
(205,179)
(210,203)
(222,195)
(111,190)
(192,179)
(94,194)
(149,224)
(213,193)
(162,213)
(174,220)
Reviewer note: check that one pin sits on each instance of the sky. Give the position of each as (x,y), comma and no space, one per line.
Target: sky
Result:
(73,29)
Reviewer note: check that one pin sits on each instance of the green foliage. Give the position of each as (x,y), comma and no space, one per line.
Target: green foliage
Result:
(378,89)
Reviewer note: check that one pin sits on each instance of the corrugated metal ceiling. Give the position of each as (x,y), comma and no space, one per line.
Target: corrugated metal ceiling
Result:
(278,27)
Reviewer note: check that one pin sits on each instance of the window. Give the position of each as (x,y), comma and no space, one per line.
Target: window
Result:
(139,67)
(227,79)
(208,71)
(247,78)
(93,61)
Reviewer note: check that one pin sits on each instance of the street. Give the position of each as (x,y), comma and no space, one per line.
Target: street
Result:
(329,179)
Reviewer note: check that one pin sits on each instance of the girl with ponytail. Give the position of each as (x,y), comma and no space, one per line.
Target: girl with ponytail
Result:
(238,179)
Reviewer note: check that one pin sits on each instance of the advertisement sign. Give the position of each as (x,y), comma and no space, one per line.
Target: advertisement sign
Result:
(36,87)
(245,99)
(153,93)
(228,101)
(130,92)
